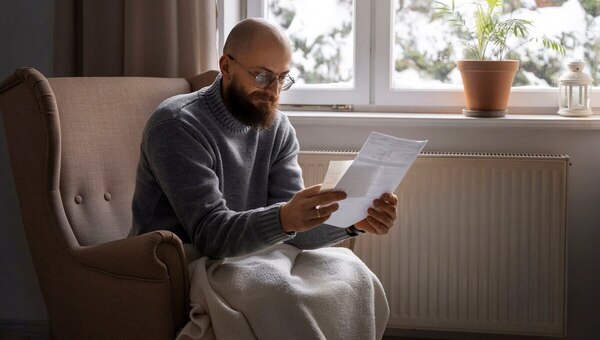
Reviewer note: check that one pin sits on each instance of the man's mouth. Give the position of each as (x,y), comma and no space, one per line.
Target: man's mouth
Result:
(263,97)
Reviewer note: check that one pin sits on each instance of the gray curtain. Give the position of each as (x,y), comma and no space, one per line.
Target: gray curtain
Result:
(157,38)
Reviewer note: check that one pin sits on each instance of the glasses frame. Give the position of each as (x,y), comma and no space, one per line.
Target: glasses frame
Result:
(285,83)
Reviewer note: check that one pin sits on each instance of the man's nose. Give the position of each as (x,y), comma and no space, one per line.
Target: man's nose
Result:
(274,88)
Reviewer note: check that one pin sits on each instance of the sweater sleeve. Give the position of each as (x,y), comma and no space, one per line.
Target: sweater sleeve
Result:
(183,166)
(321,236)
(285,179)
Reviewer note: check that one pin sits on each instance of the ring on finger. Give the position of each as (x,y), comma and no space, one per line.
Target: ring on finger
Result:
(318,213)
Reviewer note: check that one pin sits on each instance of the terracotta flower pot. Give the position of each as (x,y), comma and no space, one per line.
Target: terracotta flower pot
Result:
(487,86)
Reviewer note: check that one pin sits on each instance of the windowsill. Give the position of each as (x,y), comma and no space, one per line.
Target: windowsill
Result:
(440,119)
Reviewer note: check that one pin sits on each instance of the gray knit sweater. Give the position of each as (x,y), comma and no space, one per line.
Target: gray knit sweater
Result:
(216,182)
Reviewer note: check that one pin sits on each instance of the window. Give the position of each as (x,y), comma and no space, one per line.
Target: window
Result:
(328,39)
(396,54)
(323,44)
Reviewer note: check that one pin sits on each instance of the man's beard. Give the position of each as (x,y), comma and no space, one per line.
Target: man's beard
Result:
(243,109)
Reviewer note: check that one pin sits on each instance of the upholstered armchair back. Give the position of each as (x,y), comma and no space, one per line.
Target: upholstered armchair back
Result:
(91,130)
(101,124)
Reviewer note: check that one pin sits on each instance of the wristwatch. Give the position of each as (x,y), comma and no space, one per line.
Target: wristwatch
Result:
(353,231)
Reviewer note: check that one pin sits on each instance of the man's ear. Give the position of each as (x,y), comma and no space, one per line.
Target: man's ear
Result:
(224,66)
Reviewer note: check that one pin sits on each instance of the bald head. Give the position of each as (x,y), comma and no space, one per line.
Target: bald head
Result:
(254,33)
(254,48)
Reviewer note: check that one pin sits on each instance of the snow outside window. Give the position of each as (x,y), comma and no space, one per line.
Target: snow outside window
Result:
(413,61)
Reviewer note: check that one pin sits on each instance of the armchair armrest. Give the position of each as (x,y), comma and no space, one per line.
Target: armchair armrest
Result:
(143,256)
(133,288)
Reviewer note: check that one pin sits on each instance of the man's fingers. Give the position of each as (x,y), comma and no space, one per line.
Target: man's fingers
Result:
(388,209)
(324,212)
(381,217)
(378,227)
(372,226)
(326,198)
(310,191)
(387,203)
(390,197)
(315,192)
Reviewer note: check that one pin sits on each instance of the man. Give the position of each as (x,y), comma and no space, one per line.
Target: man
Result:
(218,167)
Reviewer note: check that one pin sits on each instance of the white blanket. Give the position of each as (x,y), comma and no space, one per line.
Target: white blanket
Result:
(286,293)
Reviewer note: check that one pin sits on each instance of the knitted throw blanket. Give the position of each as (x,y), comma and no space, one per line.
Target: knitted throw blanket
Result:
(286,293)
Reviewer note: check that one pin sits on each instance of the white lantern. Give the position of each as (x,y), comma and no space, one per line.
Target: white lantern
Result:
(575,89)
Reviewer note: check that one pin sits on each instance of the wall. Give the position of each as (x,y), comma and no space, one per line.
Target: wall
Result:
(26,35)
(26,40)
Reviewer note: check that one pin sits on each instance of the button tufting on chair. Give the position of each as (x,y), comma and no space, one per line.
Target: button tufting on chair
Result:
(107,196)
(78,199)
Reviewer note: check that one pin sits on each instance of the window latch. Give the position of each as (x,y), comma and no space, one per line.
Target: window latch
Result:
(341,107)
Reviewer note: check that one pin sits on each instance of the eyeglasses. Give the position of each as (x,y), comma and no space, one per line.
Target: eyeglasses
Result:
(262,80)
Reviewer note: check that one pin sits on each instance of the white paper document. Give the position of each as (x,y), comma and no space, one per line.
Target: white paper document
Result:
(378,168)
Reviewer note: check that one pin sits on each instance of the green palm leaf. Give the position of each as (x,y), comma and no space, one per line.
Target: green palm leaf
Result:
(490,32)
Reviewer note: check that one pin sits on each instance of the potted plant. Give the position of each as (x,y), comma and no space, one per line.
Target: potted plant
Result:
(487,36)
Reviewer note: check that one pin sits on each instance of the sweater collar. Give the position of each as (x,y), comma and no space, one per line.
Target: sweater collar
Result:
(217,107)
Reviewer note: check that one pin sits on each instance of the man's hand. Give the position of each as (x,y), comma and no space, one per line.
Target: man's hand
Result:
(381,215)
(309,208)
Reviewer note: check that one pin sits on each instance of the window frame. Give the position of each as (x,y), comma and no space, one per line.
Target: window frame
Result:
(373,66)
(229,13)
(359,93)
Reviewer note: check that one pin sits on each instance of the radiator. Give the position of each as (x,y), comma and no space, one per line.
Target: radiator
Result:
(479,244)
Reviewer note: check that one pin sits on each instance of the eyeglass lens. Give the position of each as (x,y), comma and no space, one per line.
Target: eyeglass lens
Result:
(266,79)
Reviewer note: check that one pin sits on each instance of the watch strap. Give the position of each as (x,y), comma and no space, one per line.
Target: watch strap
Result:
(353,231)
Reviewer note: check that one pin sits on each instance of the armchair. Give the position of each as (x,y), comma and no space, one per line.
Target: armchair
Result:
(73,145)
